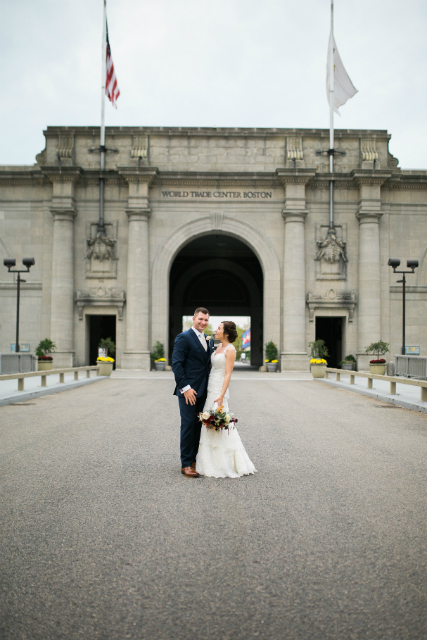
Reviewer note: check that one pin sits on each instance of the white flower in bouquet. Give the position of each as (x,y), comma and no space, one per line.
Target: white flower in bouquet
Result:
(205,415)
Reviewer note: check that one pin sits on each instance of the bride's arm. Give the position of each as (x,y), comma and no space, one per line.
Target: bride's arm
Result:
(230,356)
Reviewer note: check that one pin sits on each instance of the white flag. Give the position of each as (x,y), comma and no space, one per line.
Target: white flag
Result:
(344,88)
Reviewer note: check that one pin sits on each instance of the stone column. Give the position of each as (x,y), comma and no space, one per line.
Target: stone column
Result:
(294,351)
(137,352)
(62,294)
(369,294)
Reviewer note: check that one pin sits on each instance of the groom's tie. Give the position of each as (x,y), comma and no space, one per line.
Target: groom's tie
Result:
(203,341)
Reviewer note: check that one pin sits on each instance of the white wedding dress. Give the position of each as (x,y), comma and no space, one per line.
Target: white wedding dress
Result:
(221,453)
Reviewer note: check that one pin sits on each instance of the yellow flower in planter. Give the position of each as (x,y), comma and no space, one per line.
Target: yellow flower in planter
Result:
(160,360)
(102,359)
(274,361)
(318,361)
(266,361)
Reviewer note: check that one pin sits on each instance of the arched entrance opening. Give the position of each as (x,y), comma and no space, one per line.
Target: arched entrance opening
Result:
(222,273)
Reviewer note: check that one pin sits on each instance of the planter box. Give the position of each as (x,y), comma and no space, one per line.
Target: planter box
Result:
(318,370)
(377,369)
(272,367)
(45,365)
(349,366)
(105,368)
(159,366)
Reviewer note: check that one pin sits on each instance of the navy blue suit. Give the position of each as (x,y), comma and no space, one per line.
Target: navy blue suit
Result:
(190,365)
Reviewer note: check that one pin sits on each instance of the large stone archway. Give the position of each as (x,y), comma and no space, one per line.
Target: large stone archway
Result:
(207,225)
(222,274)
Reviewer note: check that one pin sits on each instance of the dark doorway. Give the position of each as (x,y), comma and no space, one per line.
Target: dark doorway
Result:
(223,274)
(330,330)
(100,327)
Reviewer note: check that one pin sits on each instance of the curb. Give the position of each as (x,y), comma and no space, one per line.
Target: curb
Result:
(29,395)
(378,396)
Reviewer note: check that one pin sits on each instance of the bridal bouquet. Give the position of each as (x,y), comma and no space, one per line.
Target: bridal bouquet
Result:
(218,419)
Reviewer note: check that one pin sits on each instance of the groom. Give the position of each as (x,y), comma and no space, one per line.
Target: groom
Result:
(191,361)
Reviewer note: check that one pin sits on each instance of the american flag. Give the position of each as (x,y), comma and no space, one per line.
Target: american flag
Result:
(112,90)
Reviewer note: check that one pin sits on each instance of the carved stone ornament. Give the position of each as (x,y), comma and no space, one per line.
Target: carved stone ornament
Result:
(369,150)
(65,146)
(331,258)
(294,153)
(139,149)
(100,297)
(332,300)
(101,252)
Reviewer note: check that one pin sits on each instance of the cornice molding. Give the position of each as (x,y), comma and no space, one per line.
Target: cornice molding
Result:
(294,215)
(295,176)
(24,285)
(234,132)
(138,174)
(371,177)
(138,214)
(63,174)
(155,178)
(369,216)
(63,214)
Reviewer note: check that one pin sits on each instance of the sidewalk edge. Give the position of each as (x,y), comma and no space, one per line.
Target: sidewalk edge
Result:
(373,394)
(30,395)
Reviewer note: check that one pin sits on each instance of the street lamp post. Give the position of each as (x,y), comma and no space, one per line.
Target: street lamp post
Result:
(412,265)
(9,263)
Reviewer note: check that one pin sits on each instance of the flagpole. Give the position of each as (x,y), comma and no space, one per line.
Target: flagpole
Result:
(101,225)
(331,123)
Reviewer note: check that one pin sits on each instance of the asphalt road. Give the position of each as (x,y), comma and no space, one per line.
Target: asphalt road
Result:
(103,538)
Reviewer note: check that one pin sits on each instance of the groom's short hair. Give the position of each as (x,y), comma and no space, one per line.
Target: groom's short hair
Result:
(201,310)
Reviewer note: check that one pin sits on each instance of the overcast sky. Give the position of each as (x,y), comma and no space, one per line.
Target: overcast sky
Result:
(238,63)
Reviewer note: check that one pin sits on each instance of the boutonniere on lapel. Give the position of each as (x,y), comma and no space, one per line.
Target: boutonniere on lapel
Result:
(208,339)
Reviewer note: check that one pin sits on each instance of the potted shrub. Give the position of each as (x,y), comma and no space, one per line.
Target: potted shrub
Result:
(45,361)
(349,363)
(105,365)
(377,365)
(158,355)
(318,363)
(271,354)
(109,348)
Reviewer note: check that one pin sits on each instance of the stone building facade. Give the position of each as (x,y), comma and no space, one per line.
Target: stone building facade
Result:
(233,219)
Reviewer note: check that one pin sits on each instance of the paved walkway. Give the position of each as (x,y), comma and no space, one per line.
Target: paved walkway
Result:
(103,538)
(9,393)
(406,395)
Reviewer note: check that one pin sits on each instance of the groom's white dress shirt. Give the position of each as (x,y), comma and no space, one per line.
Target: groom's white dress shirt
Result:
(202,339)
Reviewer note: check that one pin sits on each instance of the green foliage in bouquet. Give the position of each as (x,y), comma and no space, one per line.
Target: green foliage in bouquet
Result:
(271,351)
(44,347)
(218,419)
(108,344)
(158,352)
(318,349)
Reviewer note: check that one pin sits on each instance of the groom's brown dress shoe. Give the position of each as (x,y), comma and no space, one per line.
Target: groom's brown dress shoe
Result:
(193,464)
(190,472)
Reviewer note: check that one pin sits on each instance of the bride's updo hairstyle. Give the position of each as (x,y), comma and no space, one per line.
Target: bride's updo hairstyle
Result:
(229,329)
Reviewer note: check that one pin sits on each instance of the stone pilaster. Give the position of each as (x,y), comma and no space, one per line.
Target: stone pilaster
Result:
(62,301)
(137,352)
(294,347)
(369,295)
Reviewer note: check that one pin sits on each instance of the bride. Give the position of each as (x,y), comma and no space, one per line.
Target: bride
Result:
(221,453)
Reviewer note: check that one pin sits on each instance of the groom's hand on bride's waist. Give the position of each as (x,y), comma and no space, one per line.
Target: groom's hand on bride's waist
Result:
(190,396)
